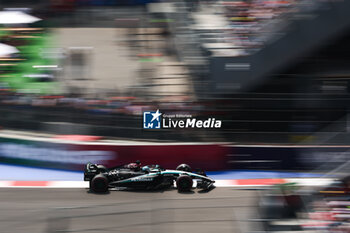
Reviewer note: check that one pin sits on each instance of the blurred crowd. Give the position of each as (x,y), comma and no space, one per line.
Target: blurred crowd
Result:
(127,105)
(257,22)
(251,24)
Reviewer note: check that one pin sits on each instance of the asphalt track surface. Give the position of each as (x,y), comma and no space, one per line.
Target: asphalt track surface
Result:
(36,210)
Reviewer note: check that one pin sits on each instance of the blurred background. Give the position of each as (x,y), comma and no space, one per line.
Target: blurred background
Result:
(77,75)
(273,71)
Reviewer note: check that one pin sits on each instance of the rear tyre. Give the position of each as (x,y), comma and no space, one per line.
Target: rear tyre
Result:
(99,184)
(184,183)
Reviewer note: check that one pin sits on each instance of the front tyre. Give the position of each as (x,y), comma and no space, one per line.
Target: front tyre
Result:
(99,184)
(184,183)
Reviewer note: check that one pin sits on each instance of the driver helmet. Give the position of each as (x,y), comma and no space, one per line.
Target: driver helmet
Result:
(146,168)
(135,165)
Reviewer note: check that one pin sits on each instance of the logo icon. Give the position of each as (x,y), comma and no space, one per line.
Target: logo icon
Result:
(151,120)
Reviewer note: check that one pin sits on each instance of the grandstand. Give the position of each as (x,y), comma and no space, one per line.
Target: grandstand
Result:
(278,67)
(250,41)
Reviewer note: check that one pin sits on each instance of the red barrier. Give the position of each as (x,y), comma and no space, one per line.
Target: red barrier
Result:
(74,156)
(207,157)
(76,137)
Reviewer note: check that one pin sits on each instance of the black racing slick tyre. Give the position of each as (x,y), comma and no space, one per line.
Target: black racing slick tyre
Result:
(184,167)
(184,183)
(99,184)
(102,168)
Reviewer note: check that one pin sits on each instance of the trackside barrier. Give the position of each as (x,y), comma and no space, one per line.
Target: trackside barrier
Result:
(53,153)
(73,156)
(287,157)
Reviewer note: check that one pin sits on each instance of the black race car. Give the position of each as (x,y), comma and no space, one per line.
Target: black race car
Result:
(146,177)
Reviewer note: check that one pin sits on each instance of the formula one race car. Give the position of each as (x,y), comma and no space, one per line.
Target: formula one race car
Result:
(146,177)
